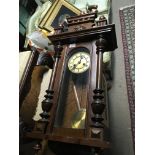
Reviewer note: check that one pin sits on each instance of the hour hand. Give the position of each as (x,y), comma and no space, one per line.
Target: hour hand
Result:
(81,57)
(74,66)
(79,61)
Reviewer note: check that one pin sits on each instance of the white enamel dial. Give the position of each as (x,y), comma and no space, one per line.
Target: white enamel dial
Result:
(79,62)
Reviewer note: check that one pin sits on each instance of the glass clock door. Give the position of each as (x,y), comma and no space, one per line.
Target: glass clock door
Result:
(71,110)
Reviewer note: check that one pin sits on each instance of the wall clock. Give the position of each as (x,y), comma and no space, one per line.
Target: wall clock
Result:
(75,109)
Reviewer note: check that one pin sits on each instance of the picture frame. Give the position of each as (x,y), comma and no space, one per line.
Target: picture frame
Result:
(56,13)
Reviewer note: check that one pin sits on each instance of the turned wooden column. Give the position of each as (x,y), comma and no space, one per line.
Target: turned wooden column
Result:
(98,104)
(48,102)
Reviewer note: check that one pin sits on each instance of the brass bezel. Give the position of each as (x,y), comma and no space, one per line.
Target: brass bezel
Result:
(86,53)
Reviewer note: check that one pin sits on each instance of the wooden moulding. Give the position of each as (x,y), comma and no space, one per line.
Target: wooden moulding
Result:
(66,139)
(86,35)
(83,21)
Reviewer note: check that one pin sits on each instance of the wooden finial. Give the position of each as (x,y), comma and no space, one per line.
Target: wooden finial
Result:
(92,8)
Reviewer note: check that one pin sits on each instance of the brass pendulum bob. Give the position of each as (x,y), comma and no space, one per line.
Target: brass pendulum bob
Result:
(78,119)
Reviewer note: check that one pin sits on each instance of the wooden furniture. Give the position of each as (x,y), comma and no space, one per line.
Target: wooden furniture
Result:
(23,86)
(35,58)
(26,87)
(75,109)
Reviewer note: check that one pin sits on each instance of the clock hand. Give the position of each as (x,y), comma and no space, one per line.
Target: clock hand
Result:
(79,60)
(81,56)
(75,65)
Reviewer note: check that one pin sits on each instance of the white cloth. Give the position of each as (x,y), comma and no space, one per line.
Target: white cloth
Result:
(23,60)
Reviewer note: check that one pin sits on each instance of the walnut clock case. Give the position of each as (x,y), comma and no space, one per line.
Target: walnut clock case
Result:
(75,107)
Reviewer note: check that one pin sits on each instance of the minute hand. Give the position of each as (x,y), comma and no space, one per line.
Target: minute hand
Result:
(75,65)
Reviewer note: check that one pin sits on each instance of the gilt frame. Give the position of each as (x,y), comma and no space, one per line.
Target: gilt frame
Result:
(53,13)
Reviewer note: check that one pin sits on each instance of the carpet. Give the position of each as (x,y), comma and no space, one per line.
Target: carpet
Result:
(127,20)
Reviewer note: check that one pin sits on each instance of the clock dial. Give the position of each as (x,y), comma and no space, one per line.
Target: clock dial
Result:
(79,62)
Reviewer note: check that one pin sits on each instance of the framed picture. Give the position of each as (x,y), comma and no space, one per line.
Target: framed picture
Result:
(57,13)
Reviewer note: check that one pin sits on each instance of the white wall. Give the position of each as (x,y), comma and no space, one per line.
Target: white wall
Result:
(120,122)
